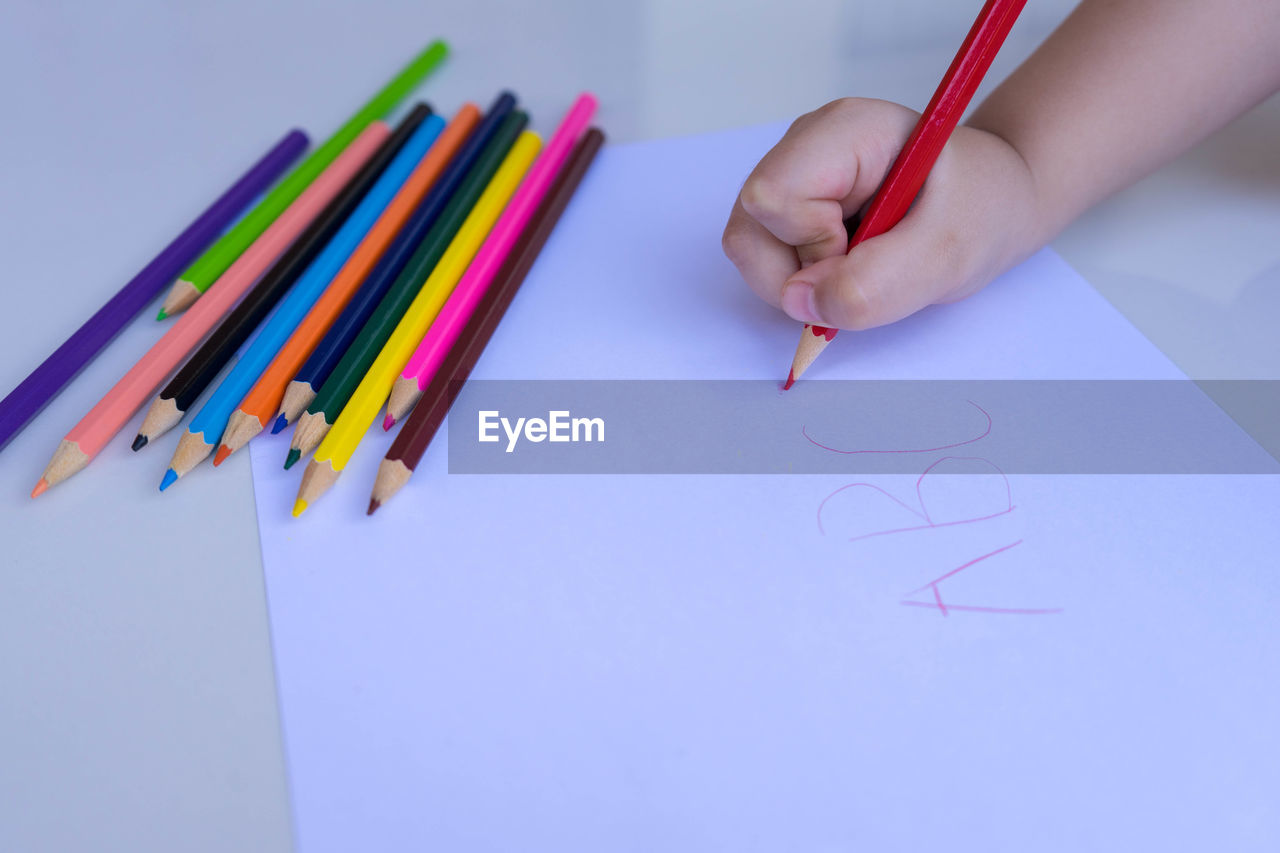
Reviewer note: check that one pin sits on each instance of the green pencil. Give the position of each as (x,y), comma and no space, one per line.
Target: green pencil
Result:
(214,262)
(338,387)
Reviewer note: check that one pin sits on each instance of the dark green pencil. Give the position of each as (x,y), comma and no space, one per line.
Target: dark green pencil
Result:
(338,387)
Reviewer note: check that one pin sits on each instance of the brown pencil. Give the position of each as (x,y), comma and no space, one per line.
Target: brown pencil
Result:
(416,434)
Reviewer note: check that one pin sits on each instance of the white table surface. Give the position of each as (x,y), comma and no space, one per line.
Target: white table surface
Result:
(137,698)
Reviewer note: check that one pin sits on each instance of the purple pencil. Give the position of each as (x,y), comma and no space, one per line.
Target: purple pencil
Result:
(44,383)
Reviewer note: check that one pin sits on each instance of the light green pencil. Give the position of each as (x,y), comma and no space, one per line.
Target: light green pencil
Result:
(201,275)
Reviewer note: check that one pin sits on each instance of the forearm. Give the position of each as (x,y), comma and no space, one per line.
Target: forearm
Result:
(1123,87)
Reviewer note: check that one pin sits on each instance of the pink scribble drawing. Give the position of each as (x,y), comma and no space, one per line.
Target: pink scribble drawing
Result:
(922,512)
(945,609)
(804,430)
(968,608)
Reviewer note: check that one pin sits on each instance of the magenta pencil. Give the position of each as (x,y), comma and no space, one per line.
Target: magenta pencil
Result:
(461,304)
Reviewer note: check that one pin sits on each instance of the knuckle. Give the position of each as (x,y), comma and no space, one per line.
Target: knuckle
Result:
(840,107)
(762,197)
(736,243)
(831,113)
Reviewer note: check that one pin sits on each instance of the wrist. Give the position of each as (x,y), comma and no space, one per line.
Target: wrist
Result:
(1024,219)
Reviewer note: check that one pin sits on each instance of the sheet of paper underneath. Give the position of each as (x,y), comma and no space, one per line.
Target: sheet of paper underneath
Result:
(740,662)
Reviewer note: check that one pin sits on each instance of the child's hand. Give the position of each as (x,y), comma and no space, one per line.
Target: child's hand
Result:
(1117,90)
(975,217)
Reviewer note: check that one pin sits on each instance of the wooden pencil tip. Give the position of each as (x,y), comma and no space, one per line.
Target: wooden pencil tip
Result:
(404,395)
(813,340)
(388,421)
(223,453)
(67,460)
(373,506)
(139,442)
(294,455)
(170,477)
(791,380)
(41,488)
(282,421)
(180,297)
(163,315)
(299,507)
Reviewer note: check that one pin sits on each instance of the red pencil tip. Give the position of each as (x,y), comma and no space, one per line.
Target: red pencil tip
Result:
(791,380)
(41,488)
(223,453)
(388,422)
(373,507)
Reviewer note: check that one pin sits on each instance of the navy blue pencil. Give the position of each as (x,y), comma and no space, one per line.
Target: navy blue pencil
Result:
(302,390)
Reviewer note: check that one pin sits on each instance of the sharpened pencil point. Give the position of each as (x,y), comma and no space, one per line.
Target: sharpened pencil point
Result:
(41,488)
(791,380)
(388,421)
(294,455)
(373,506)
(299,507)
(139,442)
(223,453)
(280,424)
(163,315)
(170,477)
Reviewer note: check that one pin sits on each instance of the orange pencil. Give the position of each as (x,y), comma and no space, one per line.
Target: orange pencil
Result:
(104,420)
(261,404)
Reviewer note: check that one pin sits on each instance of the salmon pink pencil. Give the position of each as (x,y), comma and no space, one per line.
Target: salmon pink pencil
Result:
(462,303)
(87,438)
(44,383)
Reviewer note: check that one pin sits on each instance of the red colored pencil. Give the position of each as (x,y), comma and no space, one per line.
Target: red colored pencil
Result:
(908,173)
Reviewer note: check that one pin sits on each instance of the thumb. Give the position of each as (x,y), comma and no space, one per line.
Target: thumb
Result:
(880,281)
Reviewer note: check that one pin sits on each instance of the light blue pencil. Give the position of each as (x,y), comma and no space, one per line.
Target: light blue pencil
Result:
(207,427)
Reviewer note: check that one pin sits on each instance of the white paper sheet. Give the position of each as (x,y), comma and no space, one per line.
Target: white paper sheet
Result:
(748,662)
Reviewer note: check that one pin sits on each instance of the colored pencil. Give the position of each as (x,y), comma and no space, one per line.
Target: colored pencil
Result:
(313,373)
(209,424)
(444,331)
(908,173)
(337,389)
(43,384)
(209,266)
(262,402)
(232,331)
(416,433)
(87,438)
(336,448)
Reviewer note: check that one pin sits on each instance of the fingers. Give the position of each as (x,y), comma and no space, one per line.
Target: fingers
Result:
(764,261)
(882,280)
(826,166)
(976,216)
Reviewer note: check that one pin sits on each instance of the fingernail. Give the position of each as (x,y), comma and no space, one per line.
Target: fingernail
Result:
(797,301)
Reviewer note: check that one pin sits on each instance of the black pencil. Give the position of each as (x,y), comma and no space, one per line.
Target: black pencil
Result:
(167,409)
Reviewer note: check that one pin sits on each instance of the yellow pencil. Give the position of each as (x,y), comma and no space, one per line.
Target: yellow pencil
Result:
(335,451)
